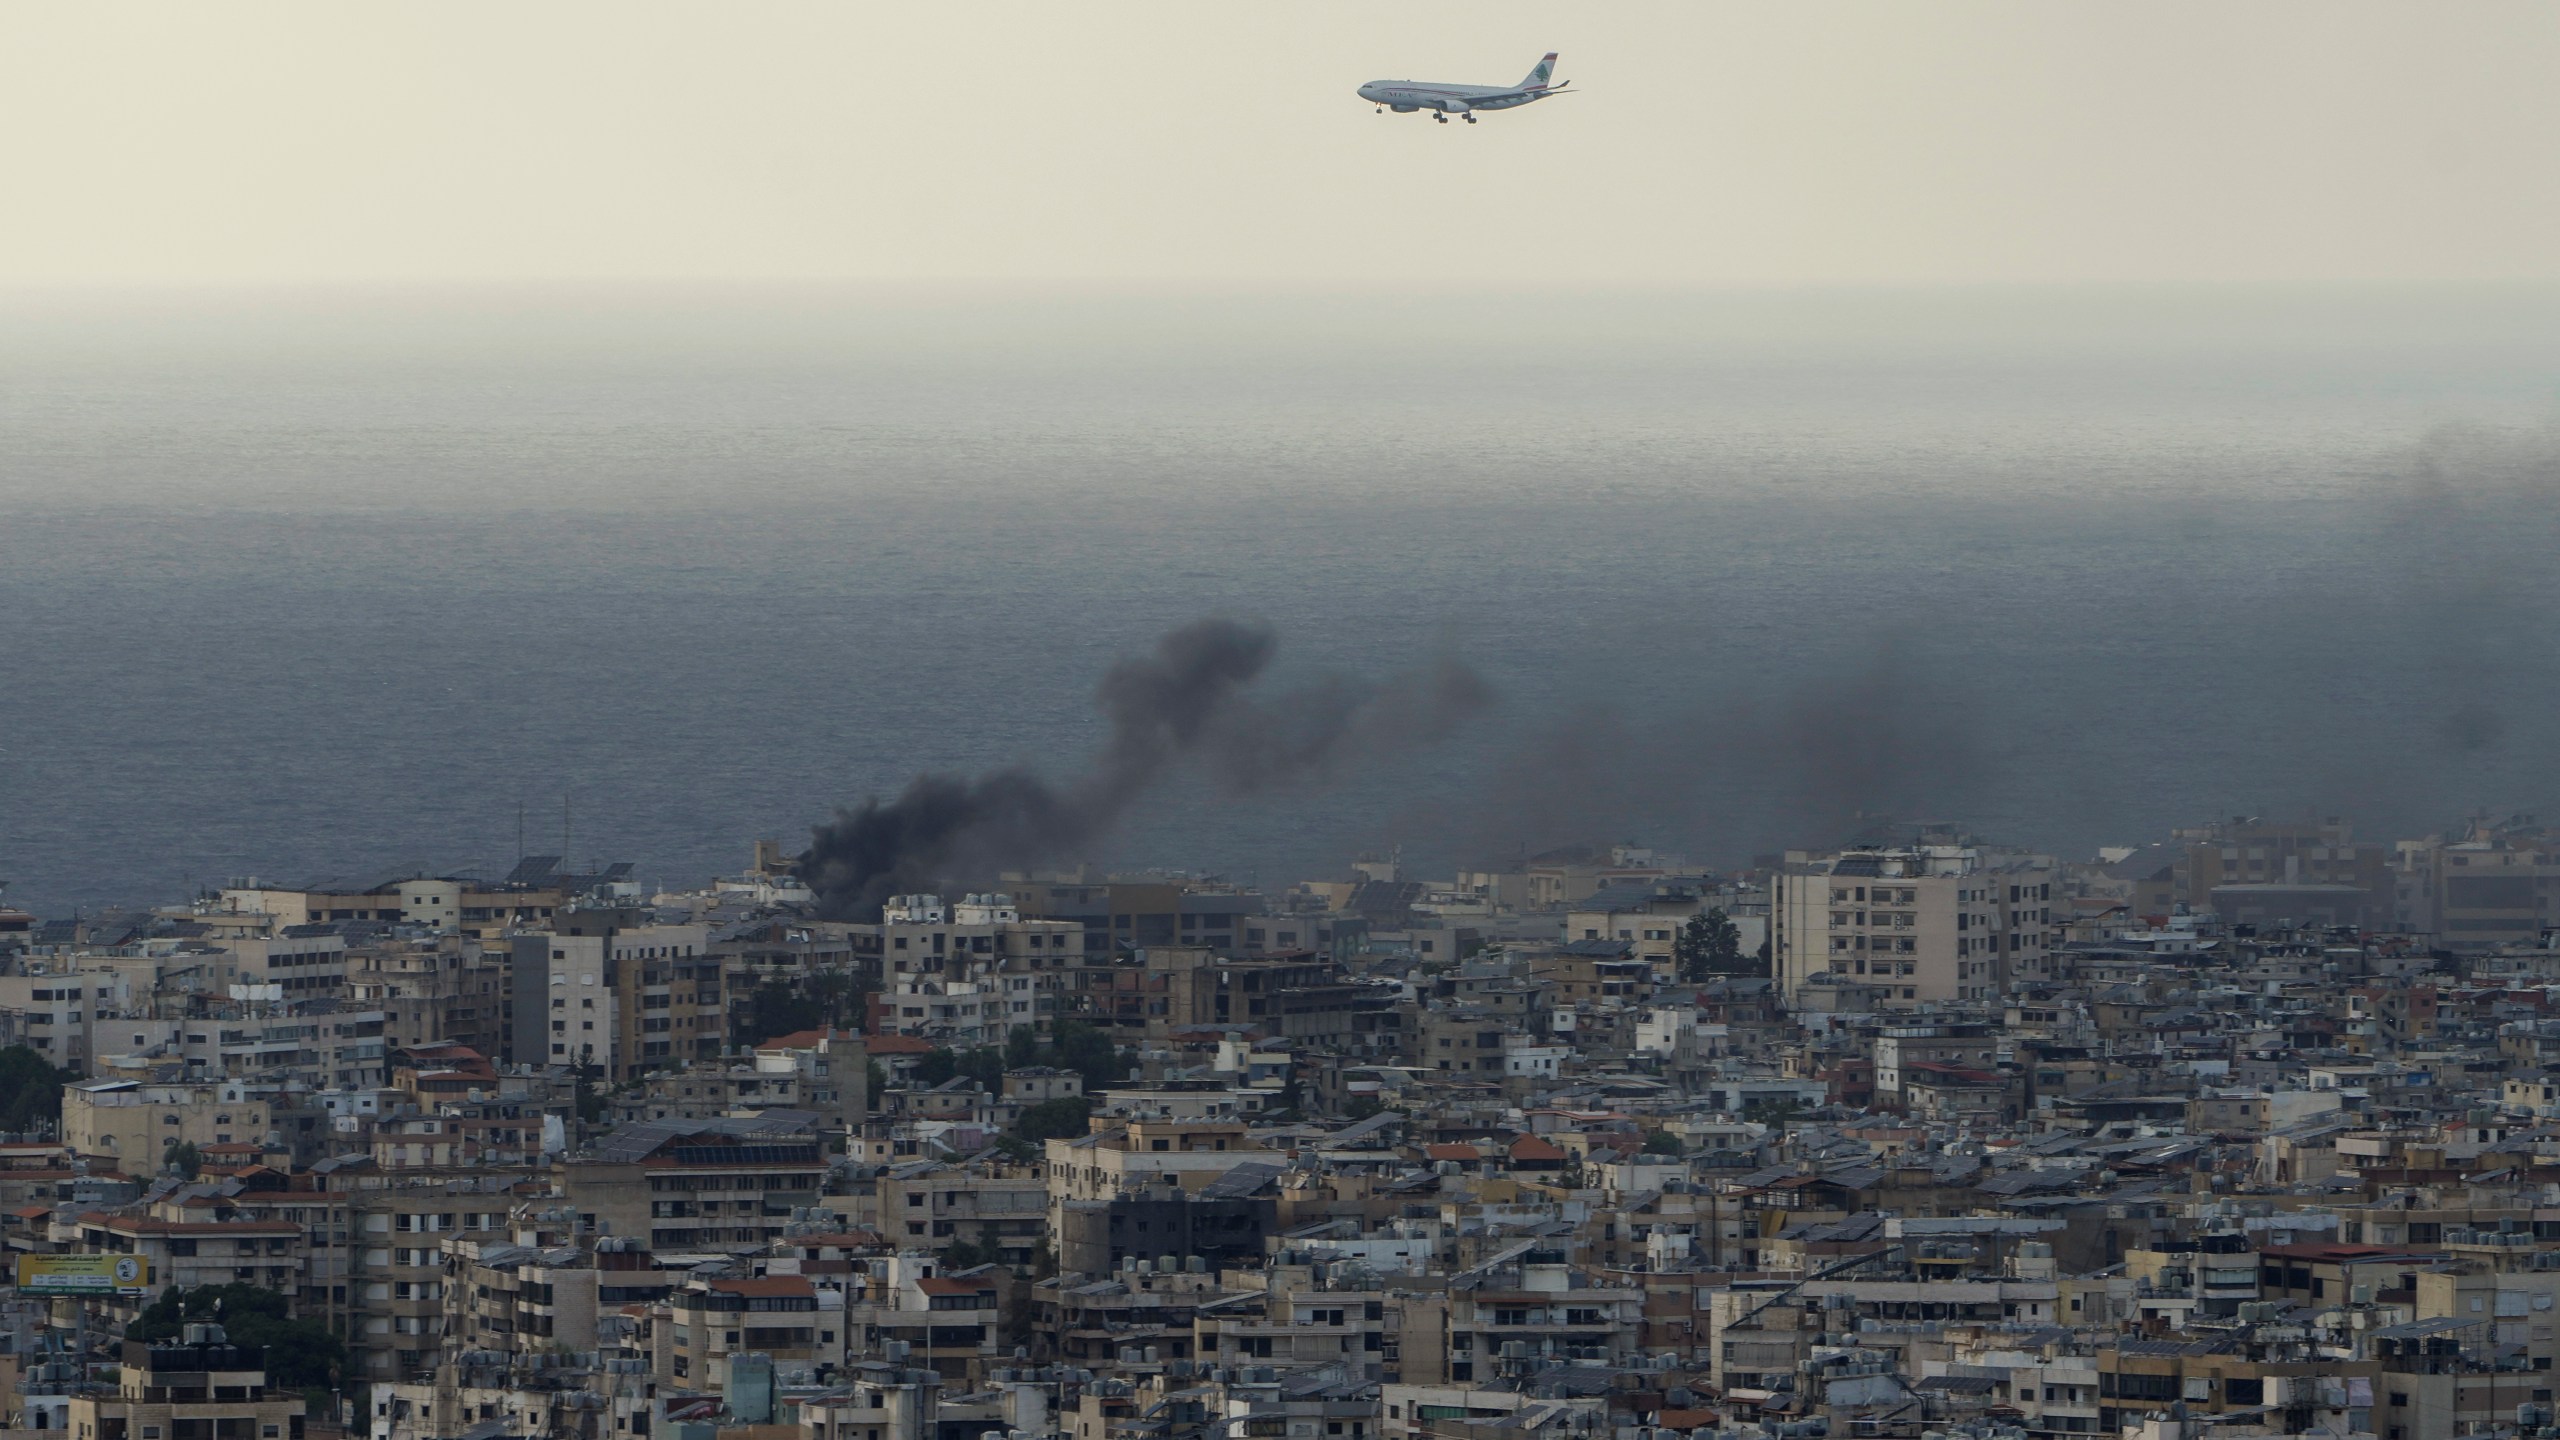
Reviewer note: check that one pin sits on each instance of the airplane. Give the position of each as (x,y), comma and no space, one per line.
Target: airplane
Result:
(1407,96)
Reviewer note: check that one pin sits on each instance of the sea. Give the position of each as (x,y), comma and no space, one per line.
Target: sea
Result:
(299,585)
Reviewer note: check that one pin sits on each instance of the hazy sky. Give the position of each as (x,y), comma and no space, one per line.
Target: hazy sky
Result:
(1718,144)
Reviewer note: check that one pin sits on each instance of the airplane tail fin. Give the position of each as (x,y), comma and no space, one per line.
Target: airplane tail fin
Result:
(1538,77)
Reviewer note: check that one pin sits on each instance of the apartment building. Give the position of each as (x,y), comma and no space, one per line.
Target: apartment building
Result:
(826,1071)
(297,963)
(880,1401)
(133,1124)
(2486,888)
(444,904)
(2255,872)
(912,1308)
(190,1253)
(1508,1315)
(451,991)
(669,998)
(1925,925)
(971,973)
(1646,916)
(932,1207)
(201,1387)
(1120,917)
(398,1271)
(798,1324)
(563,1005)
(1298,1326)
(58,1011)
(720,1186)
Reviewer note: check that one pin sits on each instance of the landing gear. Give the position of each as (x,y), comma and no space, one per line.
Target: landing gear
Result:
(1443,119)
(1471,119)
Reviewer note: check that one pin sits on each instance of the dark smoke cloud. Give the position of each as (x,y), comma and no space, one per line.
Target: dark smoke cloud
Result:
(2474,727)
(2385,658)
(1184,703)
(1814,760)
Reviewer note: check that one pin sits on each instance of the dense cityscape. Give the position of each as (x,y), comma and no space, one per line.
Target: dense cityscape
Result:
(2247,1132)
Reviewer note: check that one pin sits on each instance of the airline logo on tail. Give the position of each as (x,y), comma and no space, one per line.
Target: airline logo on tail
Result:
(1538,78)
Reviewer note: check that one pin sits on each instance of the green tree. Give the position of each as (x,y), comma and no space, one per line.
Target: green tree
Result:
(1663,1142)
(1708,946)
(777,1007)
(301,1354)
(1774,1112)
(1080,1045)
(1021,1048)
(818,1000)
(30,1092)
(986,1066)
(589,1096)
(1064,1118)
(183,1157)
(836,995)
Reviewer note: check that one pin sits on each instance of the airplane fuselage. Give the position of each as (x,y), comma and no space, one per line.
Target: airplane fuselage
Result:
(1406,97)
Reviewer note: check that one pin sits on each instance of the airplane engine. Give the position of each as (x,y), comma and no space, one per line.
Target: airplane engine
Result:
(1453,107)
(1404,109)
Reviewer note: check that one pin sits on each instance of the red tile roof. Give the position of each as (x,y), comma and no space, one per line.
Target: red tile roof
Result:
(937,1285)
(1530,1147)
(897,1045)
(1467,1153)
(803,1039)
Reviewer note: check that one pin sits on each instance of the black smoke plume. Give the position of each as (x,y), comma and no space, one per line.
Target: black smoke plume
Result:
(1810,763)
(1184,702)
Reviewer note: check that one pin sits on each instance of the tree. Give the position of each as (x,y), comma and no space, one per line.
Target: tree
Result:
(301,1354)
(183,1157)
(30,1092)
(777,1007)
(835,994)
(818,1000)
(1064,1118)
(1021,1048)
(1773,1112)
(1709,945)
(589,1097)
(1663,1142)
(986,1066)
(1080,1045)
